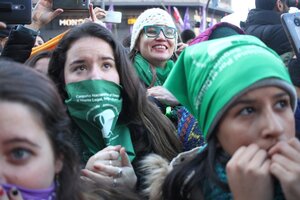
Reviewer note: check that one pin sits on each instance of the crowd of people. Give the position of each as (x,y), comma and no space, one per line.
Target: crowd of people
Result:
(214,116)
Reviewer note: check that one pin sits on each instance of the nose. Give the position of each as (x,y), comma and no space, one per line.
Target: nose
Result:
(95,73)
(273,126)
(161,35)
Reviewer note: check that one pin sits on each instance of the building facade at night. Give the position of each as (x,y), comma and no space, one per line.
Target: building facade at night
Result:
(131,9)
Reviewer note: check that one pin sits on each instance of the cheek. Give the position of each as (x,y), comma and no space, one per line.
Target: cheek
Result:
(114,77)
(37,177)
(289,121)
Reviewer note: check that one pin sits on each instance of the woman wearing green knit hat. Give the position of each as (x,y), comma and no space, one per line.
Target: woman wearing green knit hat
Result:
(241,91)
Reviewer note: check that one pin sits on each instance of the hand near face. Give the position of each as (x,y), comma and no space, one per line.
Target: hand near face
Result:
(163,95)
(96,15)
(285,166)
(11,195)
(43,14)
(248,174)
(180,47)
(111,165)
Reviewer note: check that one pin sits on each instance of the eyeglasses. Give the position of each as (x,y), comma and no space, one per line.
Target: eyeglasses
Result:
(154,31)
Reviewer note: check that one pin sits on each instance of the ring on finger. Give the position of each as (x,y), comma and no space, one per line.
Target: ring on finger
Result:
(115,182)
(120,172)
(110,162)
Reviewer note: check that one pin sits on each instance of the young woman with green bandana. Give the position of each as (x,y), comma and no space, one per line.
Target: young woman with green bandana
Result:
(242,92)
(114,122)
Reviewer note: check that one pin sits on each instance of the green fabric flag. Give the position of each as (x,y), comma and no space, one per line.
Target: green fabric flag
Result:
(208,75)
(143,69)
(95,106)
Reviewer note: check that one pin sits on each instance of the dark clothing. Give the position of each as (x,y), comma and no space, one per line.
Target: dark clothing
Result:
(19,44)
(297,119)
(266,25)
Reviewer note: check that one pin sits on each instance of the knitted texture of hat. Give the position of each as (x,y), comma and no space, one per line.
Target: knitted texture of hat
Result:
(152,16)
(265,4)
(208,75)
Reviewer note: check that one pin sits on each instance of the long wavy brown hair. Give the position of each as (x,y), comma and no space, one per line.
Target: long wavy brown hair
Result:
(137,110)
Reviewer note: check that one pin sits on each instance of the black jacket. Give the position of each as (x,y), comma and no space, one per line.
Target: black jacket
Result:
(266,25)
(19,44)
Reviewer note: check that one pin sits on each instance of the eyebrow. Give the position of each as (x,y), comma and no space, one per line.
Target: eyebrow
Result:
(20,140)
(79,61)
(250,100)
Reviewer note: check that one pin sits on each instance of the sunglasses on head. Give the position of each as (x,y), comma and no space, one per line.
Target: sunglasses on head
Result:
(153,31)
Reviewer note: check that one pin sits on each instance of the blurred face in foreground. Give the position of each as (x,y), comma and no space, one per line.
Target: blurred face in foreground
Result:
(26,154)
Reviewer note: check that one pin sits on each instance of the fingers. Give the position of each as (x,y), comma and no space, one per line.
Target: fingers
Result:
(56,13)
(248,159)
(290,150)
(96,177)
(92,13)
(124,158)
(2,25)
(108,156)
(13,194)
(99,13)
(3,195)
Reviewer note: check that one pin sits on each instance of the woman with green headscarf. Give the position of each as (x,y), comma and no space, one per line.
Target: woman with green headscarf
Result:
(241,91)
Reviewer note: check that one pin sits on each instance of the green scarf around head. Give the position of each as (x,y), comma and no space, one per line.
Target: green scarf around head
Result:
(143,69)
(95,106)
(210,74)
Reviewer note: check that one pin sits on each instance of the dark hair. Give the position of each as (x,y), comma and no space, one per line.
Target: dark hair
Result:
(179,184)
(266,4)
(187,35)
(22,84)
(31,61)
(136,109)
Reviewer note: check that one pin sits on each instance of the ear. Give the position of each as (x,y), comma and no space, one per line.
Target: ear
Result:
(59,164)
(279,6)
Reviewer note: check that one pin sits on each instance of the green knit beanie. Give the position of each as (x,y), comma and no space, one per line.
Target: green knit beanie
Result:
(209,75)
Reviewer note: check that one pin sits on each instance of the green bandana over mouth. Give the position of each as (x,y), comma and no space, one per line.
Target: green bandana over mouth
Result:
(95,106)
(208,75)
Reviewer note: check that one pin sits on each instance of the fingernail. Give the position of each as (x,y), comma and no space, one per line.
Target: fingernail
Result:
(96,167)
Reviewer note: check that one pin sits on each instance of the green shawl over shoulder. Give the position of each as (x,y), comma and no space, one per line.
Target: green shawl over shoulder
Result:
(143,69)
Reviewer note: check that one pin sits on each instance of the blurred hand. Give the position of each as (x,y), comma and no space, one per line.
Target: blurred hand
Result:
(248,174)
(2,25)
(43,14)
(96,15)
(285,166)
(180,47)
(163,95)
(111,166)
(13,194)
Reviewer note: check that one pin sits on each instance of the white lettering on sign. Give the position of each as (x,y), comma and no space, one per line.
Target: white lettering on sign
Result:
(70,22)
